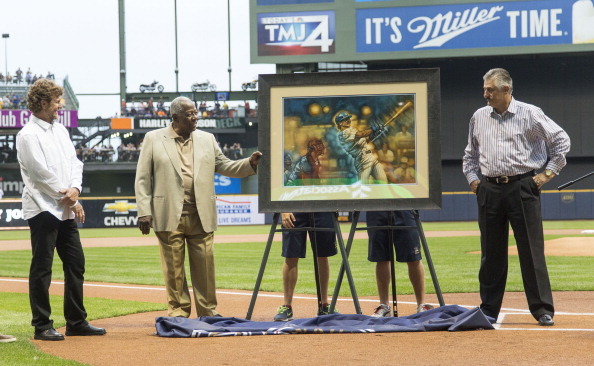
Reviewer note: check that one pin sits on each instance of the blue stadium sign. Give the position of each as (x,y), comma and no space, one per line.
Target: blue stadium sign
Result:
(511,24)
(301,33)
(226,185)
(382,30)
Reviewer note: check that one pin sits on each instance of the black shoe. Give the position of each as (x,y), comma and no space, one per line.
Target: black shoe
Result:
(85,330)
(545,320)
(48,335)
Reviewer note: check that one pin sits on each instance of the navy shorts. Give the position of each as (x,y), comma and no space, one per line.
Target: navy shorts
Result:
(294,241)
(406,241)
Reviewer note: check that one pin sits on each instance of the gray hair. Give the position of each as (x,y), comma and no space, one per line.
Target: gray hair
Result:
(176,105)
(501,78)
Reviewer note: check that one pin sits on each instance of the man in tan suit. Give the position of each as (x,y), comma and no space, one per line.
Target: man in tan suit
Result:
(175,196)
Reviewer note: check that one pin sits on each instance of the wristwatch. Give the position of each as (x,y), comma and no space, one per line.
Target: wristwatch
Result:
(549,173)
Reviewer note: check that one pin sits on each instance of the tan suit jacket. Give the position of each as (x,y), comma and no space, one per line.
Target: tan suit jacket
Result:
(159,186)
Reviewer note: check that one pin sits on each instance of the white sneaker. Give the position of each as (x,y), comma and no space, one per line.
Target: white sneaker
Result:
(424,307)
(7,338)
(381,311)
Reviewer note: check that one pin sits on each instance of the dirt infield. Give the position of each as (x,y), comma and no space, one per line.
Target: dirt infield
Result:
(516,341)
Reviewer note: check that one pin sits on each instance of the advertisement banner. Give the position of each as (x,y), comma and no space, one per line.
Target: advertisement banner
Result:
(474,26)
(296,33)
(104,213)
(12,185)
(203,123)
(226,185)
(17,118)
(111,213)
(239,210)
(11,214)
(232,210)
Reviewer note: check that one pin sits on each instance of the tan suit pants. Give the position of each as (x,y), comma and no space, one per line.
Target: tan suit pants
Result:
(202,268)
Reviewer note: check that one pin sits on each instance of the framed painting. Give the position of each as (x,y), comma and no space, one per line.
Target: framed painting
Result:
(351,141)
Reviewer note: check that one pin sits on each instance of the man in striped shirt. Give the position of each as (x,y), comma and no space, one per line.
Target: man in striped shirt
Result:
(507,141)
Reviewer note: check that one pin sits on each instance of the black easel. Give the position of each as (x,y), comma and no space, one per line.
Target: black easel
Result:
(345,264)
(393,267)
(418,227)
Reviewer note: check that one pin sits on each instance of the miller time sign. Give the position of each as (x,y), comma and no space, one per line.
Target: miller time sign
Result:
(468,26)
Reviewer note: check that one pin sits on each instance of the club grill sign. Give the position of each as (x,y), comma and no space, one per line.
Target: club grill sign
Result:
(17,118)
(462,26)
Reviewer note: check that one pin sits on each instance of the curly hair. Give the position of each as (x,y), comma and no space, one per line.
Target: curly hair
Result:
(42,89)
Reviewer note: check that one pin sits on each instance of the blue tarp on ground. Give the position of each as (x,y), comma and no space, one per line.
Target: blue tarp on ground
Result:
(451,318)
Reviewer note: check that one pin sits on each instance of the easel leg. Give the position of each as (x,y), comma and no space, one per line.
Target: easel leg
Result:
(314,249)
(345,262)
(392,265)
(263,265)
(428,258)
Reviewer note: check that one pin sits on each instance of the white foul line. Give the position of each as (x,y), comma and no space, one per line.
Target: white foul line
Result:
(497,325)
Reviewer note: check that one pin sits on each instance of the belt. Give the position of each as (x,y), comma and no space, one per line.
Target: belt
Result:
(366,151)
(508,179)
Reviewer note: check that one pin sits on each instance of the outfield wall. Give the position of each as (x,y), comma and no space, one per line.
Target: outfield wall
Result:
(122,212)
(563,205)
(243,209)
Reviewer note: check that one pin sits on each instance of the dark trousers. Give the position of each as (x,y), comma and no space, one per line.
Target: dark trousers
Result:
(516,203)
(47,233)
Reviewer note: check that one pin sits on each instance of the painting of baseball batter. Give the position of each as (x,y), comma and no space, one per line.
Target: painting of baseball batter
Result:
(352,139)
(364,141)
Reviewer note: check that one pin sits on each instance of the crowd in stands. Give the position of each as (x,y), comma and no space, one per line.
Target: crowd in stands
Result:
(102,153)
(105,153)
(19,78)
(14,101)
(147,109)
(129,151)
(150,109)
(216,110)
(8,154)
(234,152)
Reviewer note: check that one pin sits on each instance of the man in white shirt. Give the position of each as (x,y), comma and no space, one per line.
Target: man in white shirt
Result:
(53,180)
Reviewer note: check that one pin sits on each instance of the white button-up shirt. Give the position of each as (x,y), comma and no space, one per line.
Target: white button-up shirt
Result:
(48,164)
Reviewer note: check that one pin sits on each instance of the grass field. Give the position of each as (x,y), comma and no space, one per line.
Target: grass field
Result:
(237,268)
(238,263)
(265,229)
(15,319)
